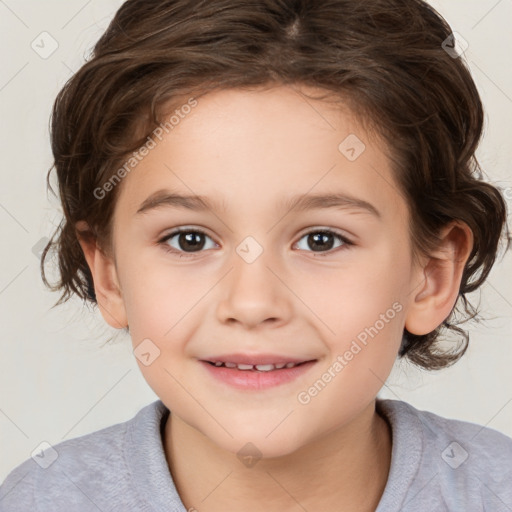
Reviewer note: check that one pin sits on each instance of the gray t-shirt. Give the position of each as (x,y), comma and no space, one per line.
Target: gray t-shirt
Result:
(437,464)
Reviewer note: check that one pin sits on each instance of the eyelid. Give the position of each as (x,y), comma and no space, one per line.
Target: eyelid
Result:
(184,229)
(320,228)
(307,231)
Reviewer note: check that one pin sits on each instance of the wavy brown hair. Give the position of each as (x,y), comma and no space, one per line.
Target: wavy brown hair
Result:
(383,58)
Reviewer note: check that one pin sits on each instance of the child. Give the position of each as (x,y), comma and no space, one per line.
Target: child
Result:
(258,131)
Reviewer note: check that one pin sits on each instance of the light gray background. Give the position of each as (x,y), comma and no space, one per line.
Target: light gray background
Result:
(56,381)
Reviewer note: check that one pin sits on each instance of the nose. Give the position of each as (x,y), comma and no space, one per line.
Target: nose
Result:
(254,294)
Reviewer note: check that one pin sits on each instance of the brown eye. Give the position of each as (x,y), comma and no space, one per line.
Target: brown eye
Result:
(186,241)
(324,241)
(191,241)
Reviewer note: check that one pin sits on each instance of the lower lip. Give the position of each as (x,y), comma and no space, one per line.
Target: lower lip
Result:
(254,379)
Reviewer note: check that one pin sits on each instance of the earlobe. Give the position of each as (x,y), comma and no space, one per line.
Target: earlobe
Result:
(105,278)
(440,279)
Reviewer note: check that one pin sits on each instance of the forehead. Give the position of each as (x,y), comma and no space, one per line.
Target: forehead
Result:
(233,146)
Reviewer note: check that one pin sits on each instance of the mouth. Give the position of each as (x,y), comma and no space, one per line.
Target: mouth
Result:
(257,367)
(256,373)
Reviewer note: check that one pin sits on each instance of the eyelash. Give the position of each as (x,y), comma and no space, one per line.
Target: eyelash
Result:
(346,243)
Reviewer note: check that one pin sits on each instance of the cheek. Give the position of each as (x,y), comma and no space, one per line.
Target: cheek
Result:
(163,307)
(159,297)
(366,345)
(361,359)
(369,293)
(364,311)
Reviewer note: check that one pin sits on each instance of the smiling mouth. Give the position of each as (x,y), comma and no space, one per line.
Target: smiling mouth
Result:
(257,367)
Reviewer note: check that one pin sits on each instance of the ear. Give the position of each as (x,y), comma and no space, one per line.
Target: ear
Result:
(104,273)
(440,280)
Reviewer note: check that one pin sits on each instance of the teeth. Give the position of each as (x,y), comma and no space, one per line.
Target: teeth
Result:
(264,367)
(259,367)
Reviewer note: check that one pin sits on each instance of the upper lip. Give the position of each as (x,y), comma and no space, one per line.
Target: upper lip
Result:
(255,359)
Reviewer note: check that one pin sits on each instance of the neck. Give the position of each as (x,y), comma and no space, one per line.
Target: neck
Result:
(349,465)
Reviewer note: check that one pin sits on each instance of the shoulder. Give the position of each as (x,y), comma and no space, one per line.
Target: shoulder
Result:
(461,437)
(453,460)
(85,471)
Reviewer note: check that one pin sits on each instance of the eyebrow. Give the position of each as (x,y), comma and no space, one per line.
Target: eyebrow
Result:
(304,202)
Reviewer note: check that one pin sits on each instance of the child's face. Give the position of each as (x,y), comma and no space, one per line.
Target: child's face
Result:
(302,297)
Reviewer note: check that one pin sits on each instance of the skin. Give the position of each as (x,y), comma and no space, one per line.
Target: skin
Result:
(249,150)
